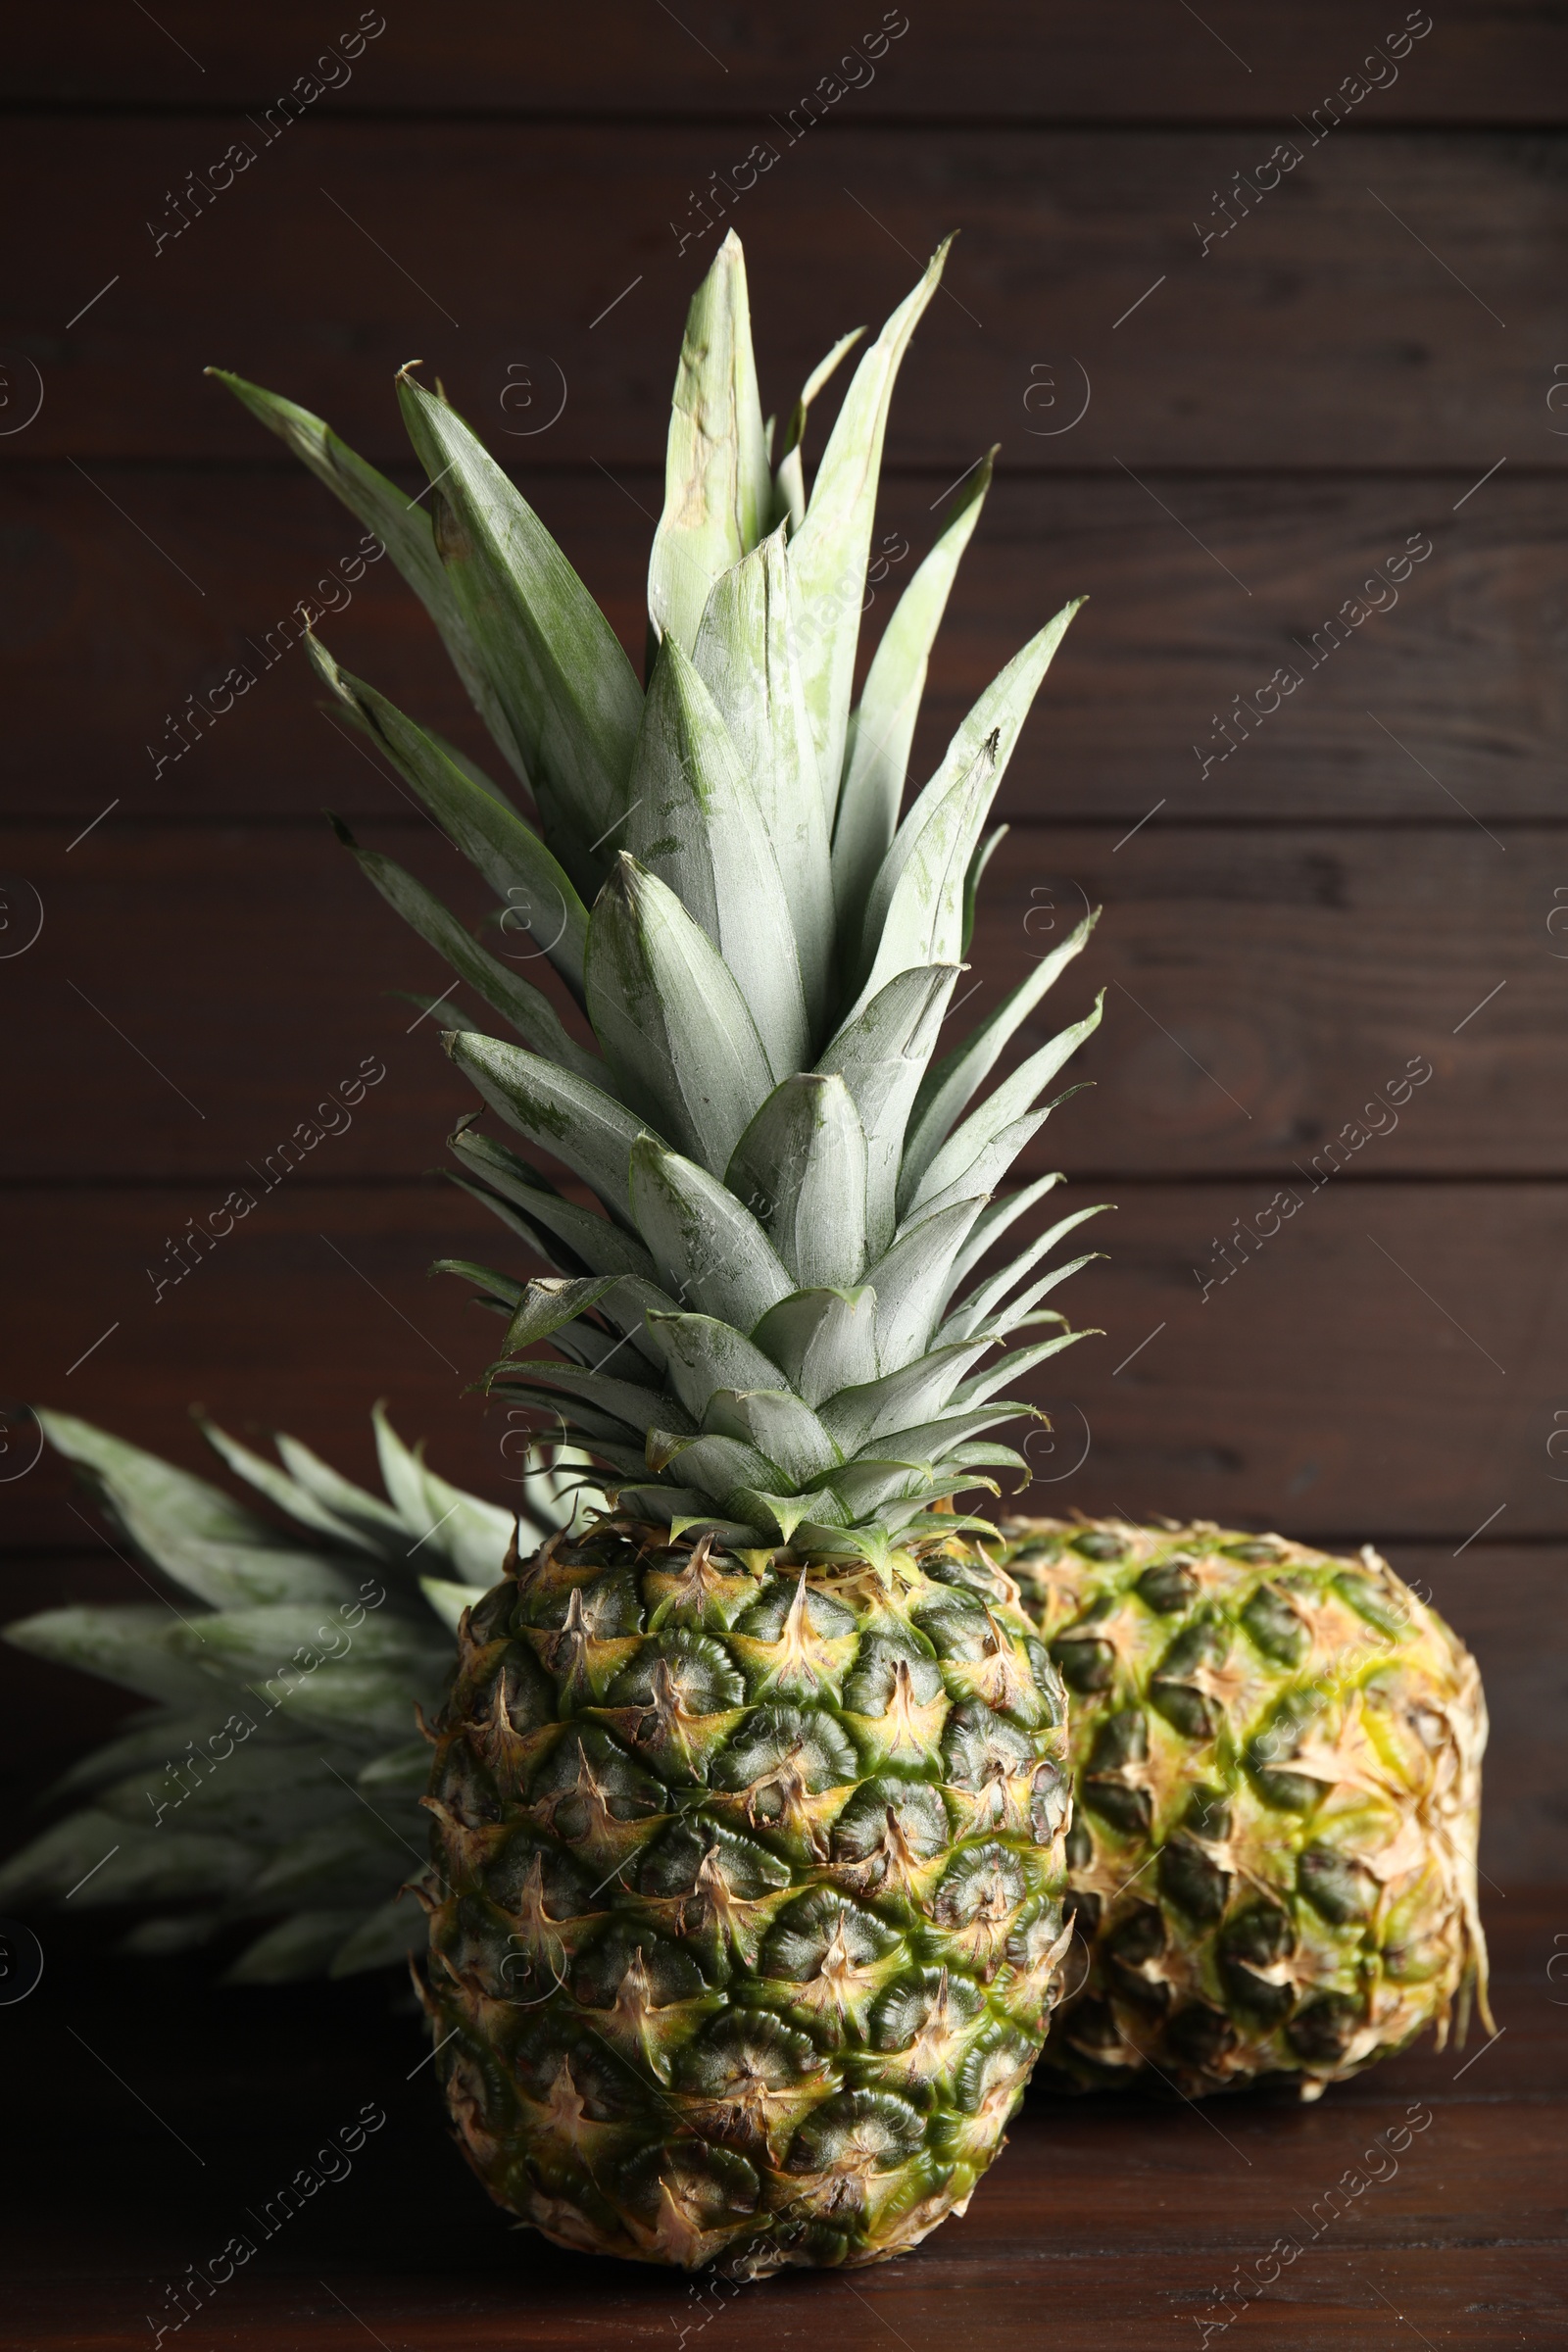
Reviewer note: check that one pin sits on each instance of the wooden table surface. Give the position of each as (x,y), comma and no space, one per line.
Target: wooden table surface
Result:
(1117,2225)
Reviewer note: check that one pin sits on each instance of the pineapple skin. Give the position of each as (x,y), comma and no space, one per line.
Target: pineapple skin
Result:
(746,1895)
(1277,1773)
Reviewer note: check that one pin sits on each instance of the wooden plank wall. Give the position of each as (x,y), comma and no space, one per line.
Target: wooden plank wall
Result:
(1223,405)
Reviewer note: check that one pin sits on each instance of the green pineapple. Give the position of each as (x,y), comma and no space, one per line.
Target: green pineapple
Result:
(750,1800)
(1294,1743)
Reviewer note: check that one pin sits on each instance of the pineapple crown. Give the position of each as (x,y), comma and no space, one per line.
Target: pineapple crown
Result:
(762,1328)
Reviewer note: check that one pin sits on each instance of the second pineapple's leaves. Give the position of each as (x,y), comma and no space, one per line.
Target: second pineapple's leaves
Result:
(449,1602)
(129,1645)
(444,1523)
(670,1018)
(297,1947)
(101,1862)
(890,703)
(693,819)
(191,1529)
(829,550)
(554,662)
(579,1124)
(822,1340)
(279,1487)
(717,488)
(712,1253)
(801,1168)
(342,1497)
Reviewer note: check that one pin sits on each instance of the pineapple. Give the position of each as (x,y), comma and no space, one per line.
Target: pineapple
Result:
(1294,1743)
(750,1799)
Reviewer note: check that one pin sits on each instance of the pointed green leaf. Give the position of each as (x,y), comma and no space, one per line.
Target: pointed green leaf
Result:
(717,1467)
(528,1009)
(890,703)
(789,482)
(830,547)
(972,880)
(578,1124)
(555,665)
(855,1417)
(283,1491)
(670,1018)
(713,1254)
(703,1354)
(601,1246)
(983,1301)
(993,1157)
(191,1529)
(881,1055)
(746,658)
(914,913)
(822,1340)
(129,1645)
(911,1282)
(717,488)
(948,1089)
(442,1523)
(1013,1367)
(693,819)
(546,1306)
(779,1425)
(403,526)
(534,889)
(297,1947)
(637,1409)
(996,1219)
(801,1168)
(1018,1314)
(342,1497)
(1006,1103)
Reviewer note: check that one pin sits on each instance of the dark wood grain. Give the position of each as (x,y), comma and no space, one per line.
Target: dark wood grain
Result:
(1321,332)
(1109,2220)
(1379,1368)
(208,989)
(1128,60)
(1461,671)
